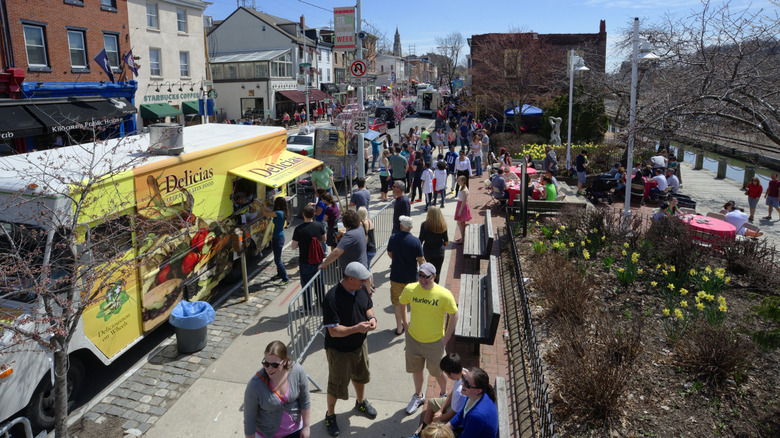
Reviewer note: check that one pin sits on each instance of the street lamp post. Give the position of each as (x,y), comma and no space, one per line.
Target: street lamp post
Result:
(580,66)
(646,54)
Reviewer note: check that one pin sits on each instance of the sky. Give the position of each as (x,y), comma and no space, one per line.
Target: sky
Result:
(419,22)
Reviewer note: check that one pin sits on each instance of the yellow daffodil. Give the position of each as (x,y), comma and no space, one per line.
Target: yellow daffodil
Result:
(700,306)
(603,237)
(710,297)
(705,278)
(678,314)
(701,294)
(683,291)
(624,252)
(585,254)
(537,223)
(625,245)
(670,286)
(666,312)
(683,303)
(698,300)
(635,257)
(722,308)
(571,244)
(582,242)
(587,240)
(721,300)
(658,266)
(557,232)
(621,270)
(727,280)
(640,271)
(671,268)
(664,272)
(654,283)
(563,227)
(708,270)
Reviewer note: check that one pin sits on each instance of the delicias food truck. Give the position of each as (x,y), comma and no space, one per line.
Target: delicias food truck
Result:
(185,206)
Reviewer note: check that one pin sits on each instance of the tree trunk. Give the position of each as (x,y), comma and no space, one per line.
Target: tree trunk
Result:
(61,393)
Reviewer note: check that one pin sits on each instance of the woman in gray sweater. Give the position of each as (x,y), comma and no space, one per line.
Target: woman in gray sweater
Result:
(276,400)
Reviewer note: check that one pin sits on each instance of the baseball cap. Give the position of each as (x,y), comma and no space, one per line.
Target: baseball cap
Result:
(427,269)
(357,270)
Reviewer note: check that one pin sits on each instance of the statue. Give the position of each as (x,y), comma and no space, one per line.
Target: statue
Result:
(555,136)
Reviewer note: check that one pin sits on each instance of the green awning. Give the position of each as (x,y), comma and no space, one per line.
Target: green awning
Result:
(191,107)
(158,111)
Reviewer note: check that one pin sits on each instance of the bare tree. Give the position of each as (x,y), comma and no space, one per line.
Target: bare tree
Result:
(717,75)
(512,69)
(448,49)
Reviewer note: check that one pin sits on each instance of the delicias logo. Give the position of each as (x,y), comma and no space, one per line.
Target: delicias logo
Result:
(174,182)
(269,169)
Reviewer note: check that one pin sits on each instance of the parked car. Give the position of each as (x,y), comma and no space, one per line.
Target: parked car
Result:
(301,143)
(386,113)
(378,124)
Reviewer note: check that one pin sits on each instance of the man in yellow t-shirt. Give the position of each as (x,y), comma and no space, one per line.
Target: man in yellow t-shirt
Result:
(426,336)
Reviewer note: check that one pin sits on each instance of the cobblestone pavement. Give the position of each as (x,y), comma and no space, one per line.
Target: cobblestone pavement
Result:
(146,395)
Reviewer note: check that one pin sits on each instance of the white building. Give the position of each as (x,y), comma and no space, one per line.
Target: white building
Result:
(255,61)
(167,40)
(389,70)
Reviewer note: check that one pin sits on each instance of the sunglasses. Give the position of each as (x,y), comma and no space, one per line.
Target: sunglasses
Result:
(466,384)
(424,276)
(272,364)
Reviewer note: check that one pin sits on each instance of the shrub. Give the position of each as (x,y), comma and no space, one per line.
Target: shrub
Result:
(566,291)
(594,369)
(752,260)
(769,312)
(671,242)
(713,353)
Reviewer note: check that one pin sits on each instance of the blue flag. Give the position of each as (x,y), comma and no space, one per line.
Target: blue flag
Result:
(102,59)
(130,61)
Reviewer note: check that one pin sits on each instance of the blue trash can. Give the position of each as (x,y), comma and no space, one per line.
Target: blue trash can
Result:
(191,320)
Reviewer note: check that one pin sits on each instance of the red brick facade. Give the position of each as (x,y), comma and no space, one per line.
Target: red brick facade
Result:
(56,17)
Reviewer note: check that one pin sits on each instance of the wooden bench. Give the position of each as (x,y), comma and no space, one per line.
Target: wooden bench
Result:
(550,208)
(478,307)
(478,242)
(502,403)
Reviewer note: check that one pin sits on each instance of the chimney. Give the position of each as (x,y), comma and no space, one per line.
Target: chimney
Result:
(303,23)
(602,26)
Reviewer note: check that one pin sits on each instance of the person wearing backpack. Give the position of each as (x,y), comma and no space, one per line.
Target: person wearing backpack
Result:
(307,239)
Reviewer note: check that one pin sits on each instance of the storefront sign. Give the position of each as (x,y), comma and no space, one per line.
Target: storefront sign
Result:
(171,96)
(344,26)
(90,124)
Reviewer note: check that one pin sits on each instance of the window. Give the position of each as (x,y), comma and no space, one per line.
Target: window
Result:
(216,71)
(110,42)
(152,21)
(231,71)
(35,42)
(327,56)
(282,66)
(155,68)
(246,70)
(261,70)
(184,63)
(181,20)
(512,66)
(108,5)
(319,56)
(381,68)
(78,49)
(328,75)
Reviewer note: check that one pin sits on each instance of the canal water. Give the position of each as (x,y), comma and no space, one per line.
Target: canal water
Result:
(735,168)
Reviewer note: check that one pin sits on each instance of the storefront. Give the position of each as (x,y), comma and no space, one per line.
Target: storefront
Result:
(291,100)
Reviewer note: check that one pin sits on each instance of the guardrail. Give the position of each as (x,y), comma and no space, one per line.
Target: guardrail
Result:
(5,430)
(540,394)
(304,313)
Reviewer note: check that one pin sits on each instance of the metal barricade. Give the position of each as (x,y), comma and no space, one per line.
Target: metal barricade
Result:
(304,313)
(5,430)
(383,225)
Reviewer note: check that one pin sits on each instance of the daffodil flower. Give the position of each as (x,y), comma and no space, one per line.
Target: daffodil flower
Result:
(683,303)
(666,312)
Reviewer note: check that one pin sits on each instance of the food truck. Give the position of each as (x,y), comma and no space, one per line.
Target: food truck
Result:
(428,101)
(186,191)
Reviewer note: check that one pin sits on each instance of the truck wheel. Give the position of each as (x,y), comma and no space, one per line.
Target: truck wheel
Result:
(41,408)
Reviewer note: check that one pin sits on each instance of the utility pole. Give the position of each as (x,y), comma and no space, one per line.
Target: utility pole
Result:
(361,155)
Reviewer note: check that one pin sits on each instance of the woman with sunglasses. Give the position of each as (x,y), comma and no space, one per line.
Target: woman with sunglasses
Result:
(276,400)
(753,191)
(479,417)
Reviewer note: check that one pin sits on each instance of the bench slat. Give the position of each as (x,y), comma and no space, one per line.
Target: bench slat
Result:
(502,403)
(475,308)
(465,305)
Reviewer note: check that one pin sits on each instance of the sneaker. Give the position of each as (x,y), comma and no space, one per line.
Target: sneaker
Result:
(452,192)
(767,218)
(414,403)
(411,203)
(330,423)
(366,409)
(284,282)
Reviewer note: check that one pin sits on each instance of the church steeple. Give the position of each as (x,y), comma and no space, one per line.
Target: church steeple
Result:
(397,44)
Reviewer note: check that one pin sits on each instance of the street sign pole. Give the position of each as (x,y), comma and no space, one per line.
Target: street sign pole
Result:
(361,147)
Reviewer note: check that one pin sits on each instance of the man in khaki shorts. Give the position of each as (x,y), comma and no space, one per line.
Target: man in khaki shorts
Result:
(348,315)
(426,338)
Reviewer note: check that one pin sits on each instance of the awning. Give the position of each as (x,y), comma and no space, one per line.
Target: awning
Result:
(528,110)
(300,98)
(158,111)
(77,114)
(277,169)
(16,122)
(191,107)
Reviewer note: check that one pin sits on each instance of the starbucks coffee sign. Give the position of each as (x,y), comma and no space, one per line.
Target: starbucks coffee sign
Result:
(165,97)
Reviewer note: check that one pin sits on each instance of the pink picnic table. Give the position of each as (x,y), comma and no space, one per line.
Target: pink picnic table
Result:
(517,170)
(710,226)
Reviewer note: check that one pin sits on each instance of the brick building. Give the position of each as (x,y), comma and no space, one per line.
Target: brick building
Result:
(52,43)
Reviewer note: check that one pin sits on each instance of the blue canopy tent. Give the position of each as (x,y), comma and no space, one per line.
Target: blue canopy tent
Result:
(528,110)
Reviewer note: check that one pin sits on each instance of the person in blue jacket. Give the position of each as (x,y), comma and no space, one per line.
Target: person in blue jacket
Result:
(479,417)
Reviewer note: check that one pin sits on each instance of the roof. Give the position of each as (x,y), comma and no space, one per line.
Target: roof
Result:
(275,22)
(258,55)
(71,163)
